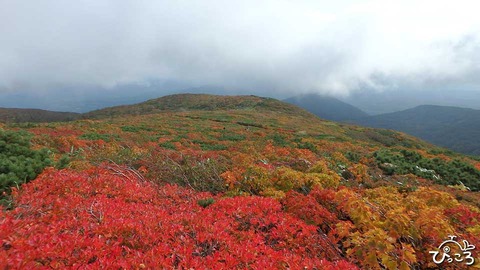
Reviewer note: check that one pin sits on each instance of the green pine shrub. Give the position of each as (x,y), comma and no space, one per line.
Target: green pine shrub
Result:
(18,162)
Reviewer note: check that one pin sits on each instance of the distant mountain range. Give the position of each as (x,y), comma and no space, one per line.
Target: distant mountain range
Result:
(455,128)
(394,100)
(452,127)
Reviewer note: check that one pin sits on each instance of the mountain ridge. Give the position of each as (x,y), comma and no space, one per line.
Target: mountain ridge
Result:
(448,126)
(18,115)
(174,102)
(452,127)
(188,102)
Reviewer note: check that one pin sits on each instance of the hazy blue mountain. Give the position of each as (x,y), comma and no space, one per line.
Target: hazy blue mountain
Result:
(374,102)
(455,128)
(327,107)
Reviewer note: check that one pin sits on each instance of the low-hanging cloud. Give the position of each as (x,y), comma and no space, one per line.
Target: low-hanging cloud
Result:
(279,45)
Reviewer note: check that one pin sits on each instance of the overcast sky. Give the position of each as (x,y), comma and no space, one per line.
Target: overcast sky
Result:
(285,46)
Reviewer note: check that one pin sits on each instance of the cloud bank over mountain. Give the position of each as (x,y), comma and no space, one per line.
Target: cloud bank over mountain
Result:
(281,46)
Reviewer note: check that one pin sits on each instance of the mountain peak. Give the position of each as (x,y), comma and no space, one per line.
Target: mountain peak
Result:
(198,102)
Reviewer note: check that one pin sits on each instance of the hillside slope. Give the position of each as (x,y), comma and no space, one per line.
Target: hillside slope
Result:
(328,108)
(195,102)
(452,127)
(232,183)
(14,115)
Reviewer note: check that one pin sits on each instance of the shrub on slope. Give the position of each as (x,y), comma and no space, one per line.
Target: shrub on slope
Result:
(18,162)
(105,219)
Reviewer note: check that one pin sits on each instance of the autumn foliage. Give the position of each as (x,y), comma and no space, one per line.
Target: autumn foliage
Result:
(109,219)
(261,188)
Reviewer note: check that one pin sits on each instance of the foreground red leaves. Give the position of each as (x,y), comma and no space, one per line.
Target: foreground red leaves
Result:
(105,219)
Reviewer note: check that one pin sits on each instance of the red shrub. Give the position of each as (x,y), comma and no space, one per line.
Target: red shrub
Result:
(104,219)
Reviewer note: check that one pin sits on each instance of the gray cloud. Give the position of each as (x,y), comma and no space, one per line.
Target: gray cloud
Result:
(280,46)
